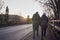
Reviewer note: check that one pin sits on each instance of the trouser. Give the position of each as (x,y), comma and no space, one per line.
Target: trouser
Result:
(35,29)
(43,32)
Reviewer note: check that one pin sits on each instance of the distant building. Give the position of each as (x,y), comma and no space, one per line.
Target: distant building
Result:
(15,19)
(2,19)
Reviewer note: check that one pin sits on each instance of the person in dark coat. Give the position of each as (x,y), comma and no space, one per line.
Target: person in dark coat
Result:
(44,24)
(36,22)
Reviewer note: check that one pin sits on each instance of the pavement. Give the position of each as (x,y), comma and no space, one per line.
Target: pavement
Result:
(15,32)
(49,35)
(24,32)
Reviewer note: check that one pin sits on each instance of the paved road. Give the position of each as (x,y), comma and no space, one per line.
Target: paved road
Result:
(15,32)
(49,35)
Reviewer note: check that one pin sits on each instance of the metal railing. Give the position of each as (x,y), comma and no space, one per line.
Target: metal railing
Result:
(55,28)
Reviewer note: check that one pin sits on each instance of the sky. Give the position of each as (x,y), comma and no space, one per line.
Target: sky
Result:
(23,7)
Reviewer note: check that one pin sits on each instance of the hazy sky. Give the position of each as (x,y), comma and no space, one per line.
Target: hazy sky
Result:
(23,7)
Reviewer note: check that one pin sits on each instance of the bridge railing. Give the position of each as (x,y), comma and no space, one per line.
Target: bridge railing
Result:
(55,29)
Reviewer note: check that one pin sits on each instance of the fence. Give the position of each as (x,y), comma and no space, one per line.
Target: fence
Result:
(55,29)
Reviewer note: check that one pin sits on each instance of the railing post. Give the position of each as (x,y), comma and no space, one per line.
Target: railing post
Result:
(53,25)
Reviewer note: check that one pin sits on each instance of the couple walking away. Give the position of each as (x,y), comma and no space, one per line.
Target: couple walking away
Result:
(39,21)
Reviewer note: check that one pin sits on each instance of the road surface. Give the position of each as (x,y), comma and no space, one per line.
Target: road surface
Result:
(15,32)
(49,35)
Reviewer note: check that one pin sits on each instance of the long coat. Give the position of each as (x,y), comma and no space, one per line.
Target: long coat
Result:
(36,21)
(44,21)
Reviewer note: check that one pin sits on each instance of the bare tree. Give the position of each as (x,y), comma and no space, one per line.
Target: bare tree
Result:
(52,4)
(1,6)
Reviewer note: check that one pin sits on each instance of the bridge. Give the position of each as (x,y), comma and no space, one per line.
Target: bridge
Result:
(52,33)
